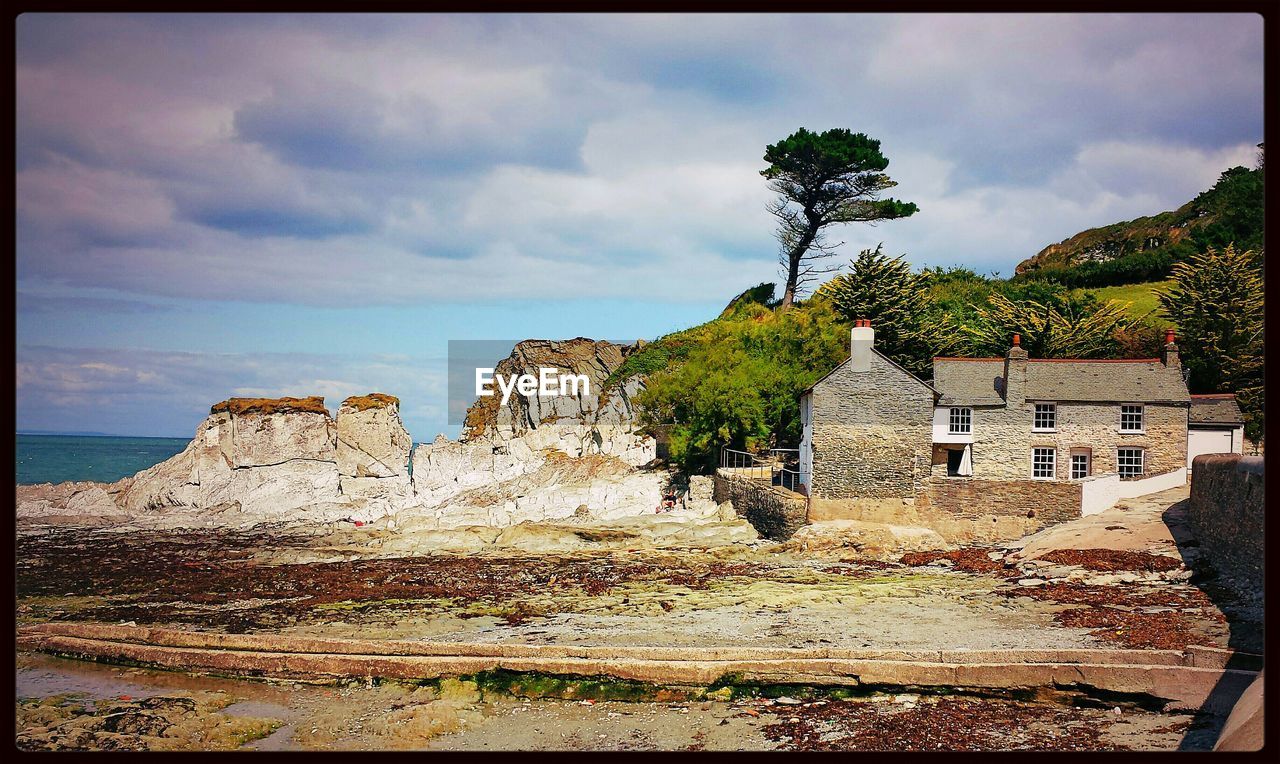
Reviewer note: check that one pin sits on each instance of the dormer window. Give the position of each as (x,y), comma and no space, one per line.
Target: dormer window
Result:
(1131,418)
(1045,418)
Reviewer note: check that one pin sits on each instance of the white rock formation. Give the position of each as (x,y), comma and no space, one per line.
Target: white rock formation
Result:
(84,499)
(268,457)
(531,460)
(373,452)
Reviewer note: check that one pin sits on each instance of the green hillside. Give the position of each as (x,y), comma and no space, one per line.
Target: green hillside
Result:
(1141,298)
(1145,249)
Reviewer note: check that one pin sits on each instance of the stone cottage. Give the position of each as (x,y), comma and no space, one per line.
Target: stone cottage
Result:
(990,447)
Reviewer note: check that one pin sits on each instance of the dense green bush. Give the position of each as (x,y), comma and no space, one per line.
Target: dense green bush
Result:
(735,381)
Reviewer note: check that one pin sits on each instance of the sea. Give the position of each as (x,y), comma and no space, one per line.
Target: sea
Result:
(101,458)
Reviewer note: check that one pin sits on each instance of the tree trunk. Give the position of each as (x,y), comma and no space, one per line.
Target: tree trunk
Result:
(793,274)
(794,258)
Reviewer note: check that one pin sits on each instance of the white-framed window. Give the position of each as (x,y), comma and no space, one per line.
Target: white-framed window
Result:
(1045,418)
(960,422)
(1129,462)
(1043,462)
(1131,418)
(1079,464)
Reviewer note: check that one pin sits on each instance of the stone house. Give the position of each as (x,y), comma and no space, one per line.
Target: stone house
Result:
(990,447)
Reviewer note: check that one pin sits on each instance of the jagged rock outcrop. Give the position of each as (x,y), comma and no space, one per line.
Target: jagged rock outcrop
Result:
(268,457)
(72,499)
(590,420)
(284,458)
(455,479)
(533,459)
(516,462)
(373,451)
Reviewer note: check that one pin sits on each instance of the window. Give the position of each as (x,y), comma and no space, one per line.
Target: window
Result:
(1079,465)
(1042,463)
(1046,417)
(1129,462)
(1131,419)
(961,421)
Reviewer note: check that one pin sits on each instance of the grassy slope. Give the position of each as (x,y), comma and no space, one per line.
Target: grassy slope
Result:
(1141,296)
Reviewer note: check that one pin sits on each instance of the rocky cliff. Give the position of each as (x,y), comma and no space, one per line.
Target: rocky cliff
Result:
(282,458)
(508,451)
(287,459)
(593,420)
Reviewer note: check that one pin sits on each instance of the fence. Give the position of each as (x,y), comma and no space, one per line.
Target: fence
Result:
(780,467)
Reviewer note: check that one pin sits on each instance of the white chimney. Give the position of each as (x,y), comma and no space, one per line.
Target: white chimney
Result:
(862,337)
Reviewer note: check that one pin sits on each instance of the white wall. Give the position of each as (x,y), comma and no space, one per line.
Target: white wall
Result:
(942,423)
(1131,488)
(1099,493)
(806,438)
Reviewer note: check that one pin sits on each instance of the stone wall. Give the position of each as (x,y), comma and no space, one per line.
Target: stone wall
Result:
(1226,513)
(1002,439)
(1043,502)
(774,512)
(970,510)
(872,433)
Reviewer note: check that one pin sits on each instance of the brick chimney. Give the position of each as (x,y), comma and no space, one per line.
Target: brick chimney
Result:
(1015,374)
(1169,355)
(861,339)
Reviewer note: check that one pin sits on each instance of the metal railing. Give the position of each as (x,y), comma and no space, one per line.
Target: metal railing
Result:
(771,470)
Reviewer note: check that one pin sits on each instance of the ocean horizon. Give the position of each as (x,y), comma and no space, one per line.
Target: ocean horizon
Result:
(57,458)
(64,457)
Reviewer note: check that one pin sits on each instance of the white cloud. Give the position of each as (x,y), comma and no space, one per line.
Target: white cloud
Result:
(165,393)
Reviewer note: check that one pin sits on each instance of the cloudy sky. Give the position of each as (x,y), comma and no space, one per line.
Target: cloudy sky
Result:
(293,205)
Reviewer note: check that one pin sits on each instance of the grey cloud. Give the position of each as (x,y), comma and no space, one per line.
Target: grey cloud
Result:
(464,157)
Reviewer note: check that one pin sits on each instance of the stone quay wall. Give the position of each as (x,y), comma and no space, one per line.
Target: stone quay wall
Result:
(1226,512)
(774,512)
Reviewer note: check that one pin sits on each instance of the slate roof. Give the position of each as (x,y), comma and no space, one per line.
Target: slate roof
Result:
(978,381)
(892,363)
(972,382)
(1215,409)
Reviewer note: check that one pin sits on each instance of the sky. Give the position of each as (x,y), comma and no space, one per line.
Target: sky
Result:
(259,205)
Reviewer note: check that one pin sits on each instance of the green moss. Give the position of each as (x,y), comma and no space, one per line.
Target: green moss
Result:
(440,603)
(525,684)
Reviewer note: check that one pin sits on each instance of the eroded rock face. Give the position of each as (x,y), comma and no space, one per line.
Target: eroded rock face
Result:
(373,451)
(78,498)
(535,459)
(268,457)
(594,421)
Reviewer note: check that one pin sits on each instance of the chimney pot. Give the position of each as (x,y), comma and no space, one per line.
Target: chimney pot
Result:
(1168,336)
(1017,340)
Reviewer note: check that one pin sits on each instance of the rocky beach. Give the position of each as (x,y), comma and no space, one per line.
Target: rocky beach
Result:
(541,530)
